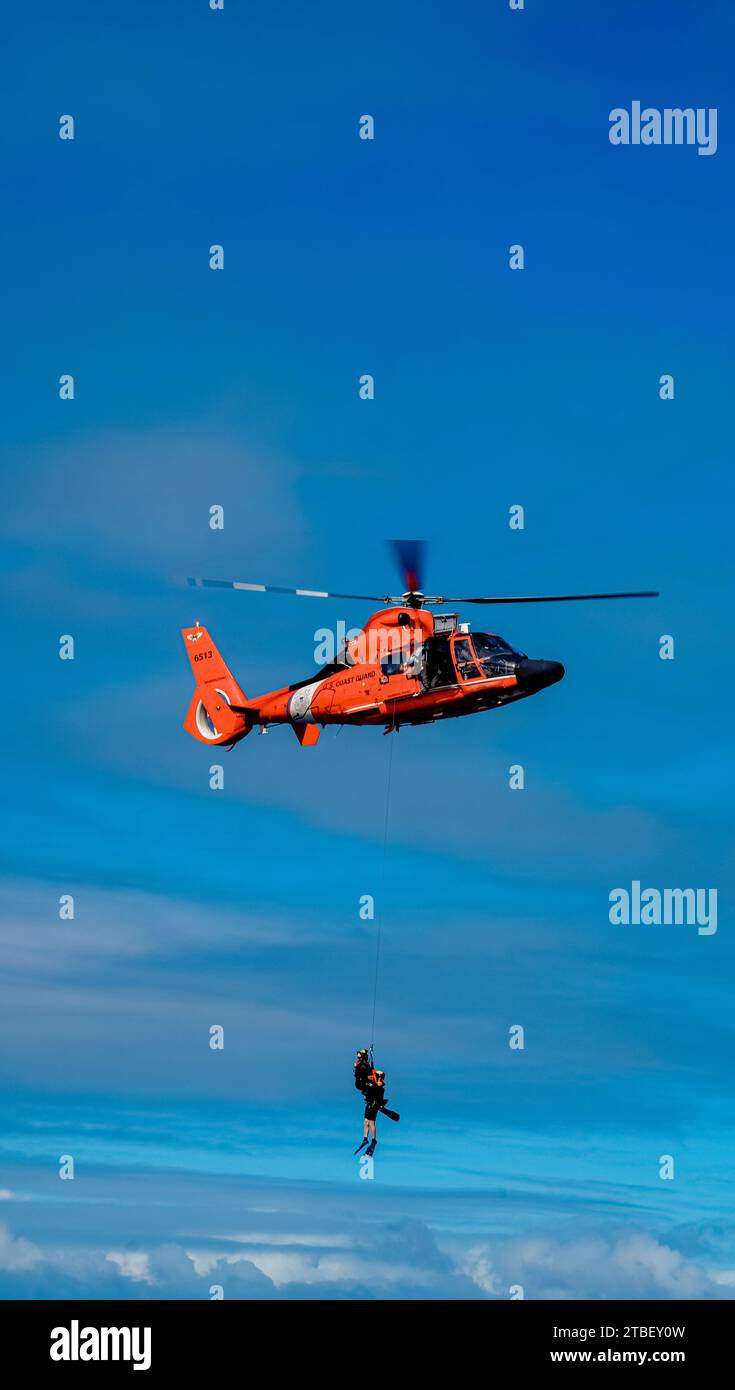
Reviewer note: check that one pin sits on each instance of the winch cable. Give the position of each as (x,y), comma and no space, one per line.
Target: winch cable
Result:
(381,898)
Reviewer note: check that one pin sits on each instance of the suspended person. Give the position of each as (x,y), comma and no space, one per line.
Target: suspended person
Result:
(362,1068)
(374,1101)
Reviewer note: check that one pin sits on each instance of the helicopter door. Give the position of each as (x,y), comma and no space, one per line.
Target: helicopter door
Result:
(464,661)
(438,668)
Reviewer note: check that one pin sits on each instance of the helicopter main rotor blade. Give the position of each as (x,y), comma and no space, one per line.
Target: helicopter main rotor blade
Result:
(199,583)
(547,598)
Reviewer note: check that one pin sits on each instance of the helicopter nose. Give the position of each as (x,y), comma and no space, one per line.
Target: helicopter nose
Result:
(536,675)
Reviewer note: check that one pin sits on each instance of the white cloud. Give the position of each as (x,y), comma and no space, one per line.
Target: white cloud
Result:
(392,1260)
(636,1265)
(17,1253)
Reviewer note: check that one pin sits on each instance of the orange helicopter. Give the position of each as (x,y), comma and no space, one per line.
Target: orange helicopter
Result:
(405,666)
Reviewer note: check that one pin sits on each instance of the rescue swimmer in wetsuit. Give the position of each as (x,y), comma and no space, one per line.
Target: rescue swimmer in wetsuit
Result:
(374,1093)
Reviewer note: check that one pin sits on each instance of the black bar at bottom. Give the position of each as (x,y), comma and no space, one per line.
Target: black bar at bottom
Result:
(275,1337)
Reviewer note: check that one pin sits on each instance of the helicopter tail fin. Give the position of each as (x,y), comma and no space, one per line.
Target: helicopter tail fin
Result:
(219,712)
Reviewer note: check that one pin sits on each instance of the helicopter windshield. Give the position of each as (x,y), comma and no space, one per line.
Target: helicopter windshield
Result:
(494,654)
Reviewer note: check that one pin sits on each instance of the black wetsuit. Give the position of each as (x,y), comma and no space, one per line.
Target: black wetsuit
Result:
(362,1072)
(374,1098)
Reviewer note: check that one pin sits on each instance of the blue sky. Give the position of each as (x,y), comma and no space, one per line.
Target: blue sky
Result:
(240,907)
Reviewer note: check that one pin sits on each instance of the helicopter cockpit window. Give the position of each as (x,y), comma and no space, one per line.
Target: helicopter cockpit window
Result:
(391,663)
(467,668)
(495,655)
(487,643)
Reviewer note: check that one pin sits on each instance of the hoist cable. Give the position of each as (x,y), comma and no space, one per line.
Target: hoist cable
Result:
(382,889)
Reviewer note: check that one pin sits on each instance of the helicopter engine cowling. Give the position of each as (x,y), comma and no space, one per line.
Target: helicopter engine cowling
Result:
(391,631)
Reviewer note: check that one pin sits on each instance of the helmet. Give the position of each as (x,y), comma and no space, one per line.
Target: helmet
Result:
(362,1052)
(379,1075)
